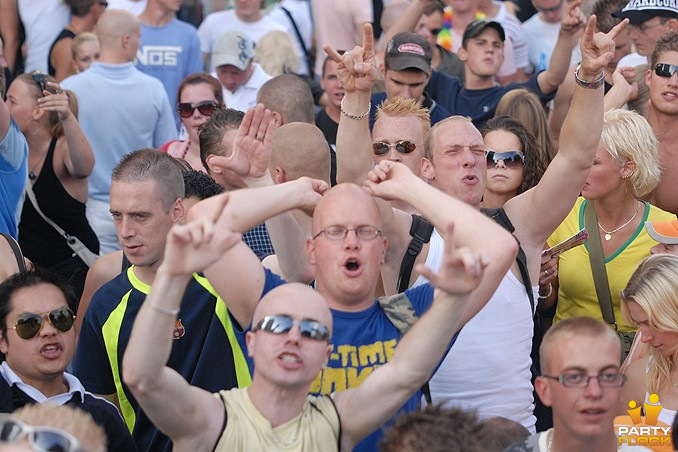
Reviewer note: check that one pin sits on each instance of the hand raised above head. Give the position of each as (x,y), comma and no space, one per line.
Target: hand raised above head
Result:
(573,20)
(357,68)
(55,99)
(597,49)
(387,178)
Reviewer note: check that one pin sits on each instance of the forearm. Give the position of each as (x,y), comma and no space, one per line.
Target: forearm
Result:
(618,96)
(407,20)
(80,161)
(550,79)
(9,31)
(354,142)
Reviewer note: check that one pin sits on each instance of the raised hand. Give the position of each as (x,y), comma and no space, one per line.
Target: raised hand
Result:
(55,99)
(313,190)
(573,19)
(357,68)
(387,179)
(597,49)
(460,271)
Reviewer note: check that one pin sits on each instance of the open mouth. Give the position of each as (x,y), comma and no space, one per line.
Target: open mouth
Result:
(352,264)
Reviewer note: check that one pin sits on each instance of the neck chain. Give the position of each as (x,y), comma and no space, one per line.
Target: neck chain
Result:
(32,175)
(289,442)
(608,234)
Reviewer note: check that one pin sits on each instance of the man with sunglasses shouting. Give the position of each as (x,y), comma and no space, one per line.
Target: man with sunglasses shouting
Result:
(290,341)
(38,341)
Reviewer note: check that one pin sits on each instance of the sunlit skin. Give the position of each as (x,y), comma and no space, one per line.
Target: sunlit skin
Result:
(645,35)
(483,54)
(393,129)
(664,91)
(409,83)
(664,342)
(605,176)
(428,23)
(502,181)
(549,10)
(664,248)
(86,54)
(23,107)
(233,78)
(333,89)
(248,10)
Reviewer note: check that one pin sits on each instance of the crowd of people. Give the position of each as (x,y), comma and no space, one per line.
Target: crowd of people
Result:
(312,225)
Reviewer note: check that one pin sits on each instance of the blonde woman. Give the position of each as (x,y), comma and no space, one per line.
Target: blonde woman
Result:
(276,54)
(85,51)
(650,302)
(626,167)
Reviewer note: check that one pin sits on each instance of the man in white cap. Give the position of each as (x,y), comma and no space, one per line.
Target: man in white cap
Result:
(240,77)
(666,233)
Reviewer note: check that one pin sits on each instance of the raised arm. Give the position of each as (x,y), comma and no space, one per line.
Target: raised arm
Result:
(4,110)
(368,406)
(570,29)
(9,31)
(160,390)
(358,72)
(472,229)
(79,158)
(407,20)
(537,212)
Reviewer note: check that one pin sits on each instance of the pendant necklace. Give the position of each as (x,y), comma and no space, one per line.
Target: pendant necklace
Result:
(608,234)
(31,174)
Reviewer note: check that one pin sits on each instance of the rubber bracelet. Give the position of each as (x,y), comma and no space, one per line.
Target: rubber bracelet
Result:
(172,312)
(600,81)
(544,297)
(355,117)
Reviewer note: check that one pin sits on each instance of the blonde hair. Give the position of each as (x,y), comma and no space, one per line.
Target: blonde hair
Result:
(654,286)
(276,54)
(68,418)
(628,137)
(428,143)
(80,39)
(399,107)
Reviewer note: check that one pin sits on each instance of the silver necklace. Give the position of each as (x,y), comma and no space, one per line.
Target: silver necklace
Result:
(288,443)
(608,234)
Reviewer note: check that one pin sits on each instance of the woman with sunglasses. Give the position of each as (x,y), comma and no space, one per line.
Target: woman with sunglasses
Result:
(650,303)
(626,167)
(60,159)
(38,341)
(515,162)
(199,95)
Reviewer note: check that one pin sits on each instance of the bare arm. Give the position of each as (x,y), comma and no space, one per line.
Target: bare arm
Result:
(358,72)
(622,91)
(4,111)
(407,20)
(160,390)
(570,29)
(558,189)
(9,31)
(62,59)
(103,270)
(368,406)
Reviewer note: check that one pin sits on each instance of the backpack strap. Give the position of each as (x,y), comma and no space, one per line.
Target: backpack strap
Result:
(18,255)
(421,231)
(400,312)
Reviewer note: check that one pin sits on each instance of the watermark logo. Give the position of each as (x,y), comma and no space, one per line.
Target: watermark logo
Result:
(647,431)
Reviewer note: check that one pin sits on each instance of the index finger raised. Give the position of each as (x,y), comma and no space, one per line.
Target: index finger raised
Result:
(368,38)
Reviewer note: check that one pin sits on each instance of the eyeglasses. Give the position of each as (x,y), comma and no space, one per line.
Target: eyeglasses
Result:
(206,108)
(41,439)
(402,146)
(665,70)
(435,31)
(281,324)
(337,232)
(577,380)
(511,159)
(29,324)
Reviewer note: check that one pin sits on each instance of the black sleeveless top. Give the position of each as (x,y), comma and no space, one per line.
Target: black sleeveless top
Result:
(65,33)
(38,240)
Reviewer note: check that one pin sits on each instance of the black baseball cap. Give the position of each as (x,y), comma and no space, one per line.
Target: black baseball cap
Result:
(639,11)
(477,27)
(408,51)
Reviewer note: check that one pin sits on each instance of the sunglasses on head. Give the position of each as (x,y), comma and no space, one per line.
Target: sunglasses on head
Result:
(511,159)
(402,146)
(41,439)
(40,79)
(281,324)
(29,324)
(665,70)
(206,108)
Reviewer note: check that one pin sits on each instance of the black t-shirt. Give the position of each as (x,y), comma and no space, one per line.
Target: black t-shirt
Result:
(329,128)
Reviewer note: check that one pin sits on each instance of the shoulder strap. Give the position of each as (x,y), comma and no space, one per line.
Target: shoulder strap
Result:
(307,54)
(598,263)
(499,215)
(421,231)
(18,255)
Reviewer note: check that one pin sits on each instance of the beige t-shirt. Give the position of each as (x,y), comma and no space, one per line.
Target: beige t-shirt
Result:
(316,428)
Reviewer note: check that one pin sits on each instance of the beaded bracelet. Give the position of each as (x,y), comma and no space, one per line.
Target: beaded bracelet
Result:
(355,117)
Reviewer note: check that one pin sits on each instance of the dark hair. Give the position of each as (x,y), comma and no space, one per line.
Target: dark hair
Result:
(200,185)
(667,43)
(327,58)
(197,79)
(603,10)
(80,8)
(211,133)
(535,160)
(434,7)
(30,278)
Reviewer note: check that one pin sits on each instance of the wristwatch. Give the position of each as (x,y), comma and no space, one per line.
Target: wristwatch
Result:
(600,81)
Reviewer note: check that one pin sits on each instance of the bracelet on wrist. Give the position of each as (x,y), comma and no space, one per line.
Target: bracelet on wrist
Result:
(543,297)
(595,84)
(172,312)
(355,117)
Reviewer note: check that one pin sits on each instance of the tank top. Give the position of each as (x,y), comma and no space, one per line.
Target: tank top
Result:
(38,240)
(65,34)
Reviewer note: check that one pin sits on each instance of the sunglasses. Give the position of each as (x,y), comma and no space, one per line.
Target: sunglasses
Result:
(402,146)
(40,80)
(511,159)
(41,439)
(29,324)
(665,70)
(206,108)
(281,324)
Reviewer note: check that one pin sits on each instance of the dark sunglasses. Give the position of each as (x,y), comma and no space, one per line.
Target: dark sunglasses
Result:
(665,70)
(281,324)
(41,439)
(511,159)
(40,80)
(402,146)
(206,108)
(435,31)
(29,324)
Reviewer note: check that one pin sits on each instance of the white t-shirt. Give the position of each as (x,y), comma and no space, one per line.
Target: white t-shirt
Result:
(301,12)
(541,40)
(245,97)
(43,21)
(136,7)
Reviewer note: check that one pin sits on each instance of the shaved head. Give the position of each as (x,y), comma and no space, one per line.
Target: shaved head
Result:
(346,195)
(290,96)
(113,25)
(299,149)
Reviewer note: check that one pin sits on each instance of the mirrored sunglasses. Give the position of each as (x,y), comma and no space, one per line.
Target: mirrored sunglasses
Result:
(281,324)
(206,108)
(511,159)
(29,324)
(665,70)
(402,146)
(41,439)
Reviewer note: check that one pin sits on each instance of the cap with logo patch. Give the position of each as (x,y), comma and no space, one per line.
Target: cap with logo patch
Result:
(235,48)
(408,51)
(639,11)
